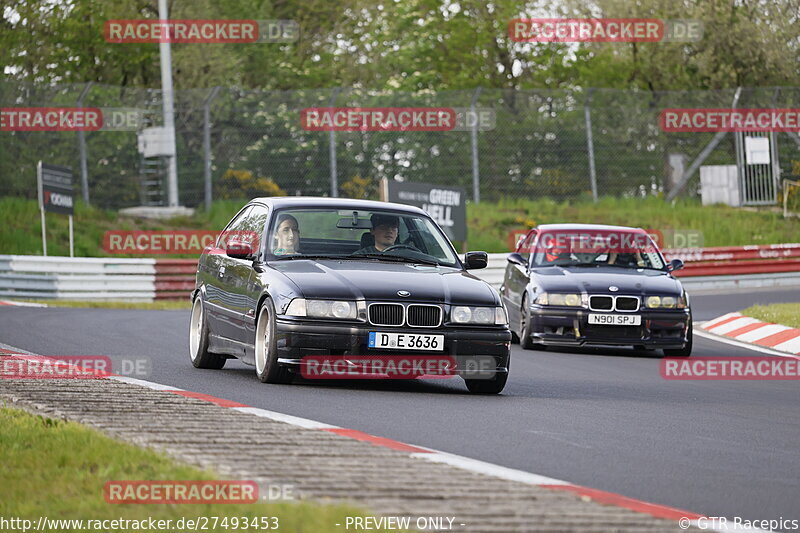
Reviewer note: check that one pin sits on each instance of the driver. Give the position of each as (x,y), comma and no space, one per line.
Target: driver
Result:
(385,229)
(627,259)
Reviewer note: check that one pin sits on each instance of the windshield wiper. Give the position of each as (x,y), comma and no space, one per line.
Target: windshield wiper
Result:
(396,258)
(310,256)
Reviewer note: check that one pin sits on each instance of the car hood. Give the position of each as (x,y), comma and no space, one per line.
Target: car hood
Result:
(597,280)
(375,280)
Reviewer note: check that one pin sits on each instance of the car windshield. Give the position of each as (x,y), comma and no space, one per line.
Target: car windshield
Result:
(374,235)
(588,248)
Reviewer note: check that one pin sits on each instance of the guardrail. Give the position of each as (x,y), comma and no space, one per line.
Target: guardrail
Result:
(90,278)
(150,279)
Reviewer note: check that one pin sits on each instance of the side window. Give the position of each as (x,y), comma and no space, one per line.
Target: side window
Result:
(526,245)
(254,222)
(232,226)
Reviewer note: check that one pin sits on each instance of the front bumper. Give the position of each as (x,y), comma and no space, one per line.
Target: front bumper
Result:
(299,338)
(664,329)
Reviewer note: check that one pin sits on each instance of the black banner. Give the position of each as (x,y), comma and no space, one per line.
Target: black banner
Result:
(55,189)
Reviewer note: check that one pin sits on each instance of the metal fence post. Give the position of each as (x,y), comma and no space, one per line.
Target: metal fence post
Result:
(82,149)
(332,150)
(590,142)
(207,145)
(476,176)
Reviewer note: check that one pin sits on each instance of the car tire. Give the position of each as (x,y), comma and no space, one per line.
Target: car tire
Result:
(487,386)
(268,370)
(198,339)
(525,341)
(686,351)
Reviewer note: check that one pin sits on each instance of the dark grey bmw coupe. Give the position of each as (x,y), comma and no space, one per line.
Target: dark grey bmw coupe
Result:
(293,279)
(587,284)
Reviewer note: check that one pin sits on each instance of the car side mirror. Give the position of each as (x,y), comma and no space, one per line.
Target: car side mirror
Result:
(474,260)
(675,264)
(239,249)
(517,259)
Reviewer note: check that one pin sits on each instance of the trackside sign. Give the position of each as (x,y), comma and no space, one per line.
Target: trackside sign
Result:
(446,205)
(55,189)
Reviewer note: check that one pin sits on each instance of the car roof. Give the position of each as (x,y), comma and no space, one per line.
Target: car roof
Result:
(279,202)
(605,227)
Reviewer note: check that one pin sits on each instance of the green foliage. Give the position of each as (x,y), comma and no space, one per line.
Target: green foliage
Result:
(409,45)
(243,184)
(361,188)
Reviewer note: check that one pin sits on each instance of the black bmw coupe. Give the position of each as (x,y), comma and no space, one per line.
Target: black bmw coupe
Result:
(294,279)
(586,284)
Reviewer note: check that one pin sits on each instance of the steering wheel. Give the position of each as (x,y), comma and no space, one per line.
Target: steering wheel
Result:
(400,247)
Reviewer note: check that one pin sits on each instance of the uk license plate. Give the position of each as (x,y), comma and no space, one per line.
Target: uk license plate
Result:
(406,341)
(615,320)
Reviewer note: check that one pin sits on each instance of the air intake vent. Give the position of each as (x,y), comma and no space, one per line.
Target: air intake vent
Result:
(627,303)
(424,315)
(601,303)
(386,314)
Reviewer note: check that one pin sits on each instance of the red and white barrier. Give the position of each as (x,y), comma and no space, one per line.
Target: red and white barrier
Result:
(737,260)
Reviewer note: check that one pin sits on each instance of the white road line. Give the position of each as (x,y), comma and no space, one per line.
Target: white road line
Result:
(143,383)
(289,419)
(732,325)
(760,333)
(21,304)
(14,349)
(481,467)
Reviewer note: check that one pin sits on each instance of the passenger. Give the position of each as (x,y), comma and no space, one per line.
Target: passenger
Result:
(385,229)
(626,259)
(287,235)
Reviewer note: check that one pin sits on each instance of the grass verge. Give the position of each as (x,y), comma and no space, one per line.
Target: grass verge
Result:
(489,223)
(720,225)
(785,314)
(57,469)
(167,305)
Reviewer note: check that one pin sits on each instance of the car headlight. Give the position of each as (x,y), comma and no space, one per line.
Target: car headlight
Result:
(322,308)
(478,315)
(567,300)
(665,302)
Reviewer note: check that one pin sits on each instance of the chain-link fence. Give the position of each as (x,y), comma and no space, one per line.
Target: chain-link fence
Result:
(233,143)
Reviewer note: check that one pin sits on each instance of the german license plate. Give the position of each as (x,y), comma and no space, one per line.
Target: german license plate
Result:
(615,320)
(406,341)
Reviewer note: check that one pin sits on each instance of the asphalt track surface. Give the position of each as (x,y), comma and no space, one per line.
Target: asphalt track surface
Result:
(598,418)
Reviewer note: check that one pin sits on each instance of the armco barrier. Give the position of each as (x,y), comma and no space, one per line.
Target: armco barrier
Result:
(149,279)
(66,278)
